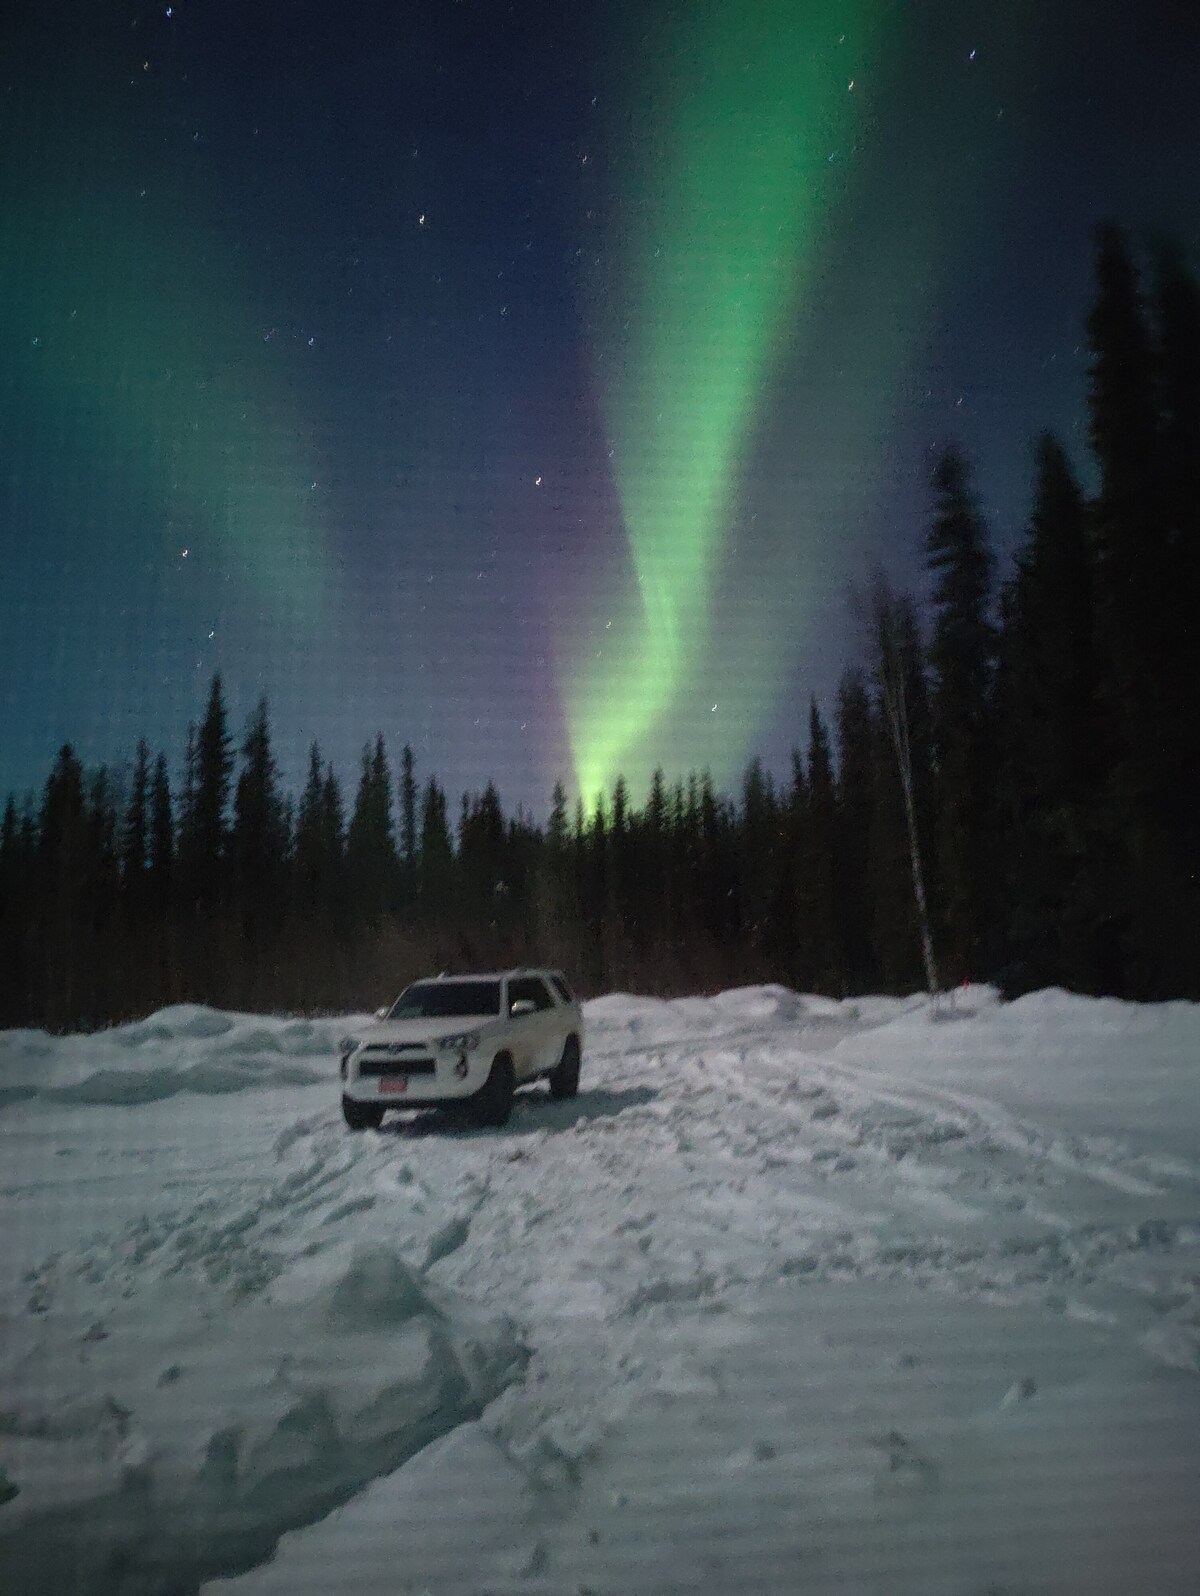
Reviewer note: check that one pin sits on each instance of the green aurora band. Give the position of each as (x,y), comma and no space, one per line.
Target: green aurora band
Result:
(718,230)
(132,354)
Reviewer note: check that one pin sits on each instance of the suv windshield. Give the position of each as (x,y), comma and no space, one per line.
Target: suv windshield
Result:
(446,1000)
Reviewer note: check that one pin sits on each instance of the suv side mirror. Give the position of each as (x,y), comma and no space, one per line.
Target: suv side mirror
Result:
(522,1006)
(382,1014)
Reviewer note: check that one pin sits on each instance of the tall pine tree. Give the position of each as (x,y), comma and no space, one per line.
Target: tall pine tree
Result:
(371,861)
(852,847)
(408,828)
(259,840)
(962,657)
(135,833)
(819,888)
(204,828)
(1140,569)
(162,840)
(1049,733)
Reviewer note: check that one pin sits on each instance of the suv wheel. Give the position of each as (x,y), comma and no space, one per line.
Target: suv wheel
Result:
(492,1103)
(564,1077)
(362,1116)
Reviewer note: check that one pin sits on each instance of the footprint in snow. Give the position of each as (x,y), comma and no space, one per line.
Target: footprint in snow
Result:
(907,1472)
(1019,1391)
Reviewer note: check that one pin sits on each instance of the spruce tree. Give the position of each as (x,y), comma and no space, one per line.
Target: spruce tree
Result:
(790,941)
(1049,731)
(653,863)
(482,863)
(135,832)
(1129,513)
(371,860)
(757,863)
(556,909)
(819,885)
(962,657)
(310,862)
(16,859)
(853,832)
(621,856)
(59,897)
(1177,357)
(408,828)
(162,840)
(556,831)
(1138,407)
(106,991)
(1176,346)
(435,869)
(260,835)
(204,830)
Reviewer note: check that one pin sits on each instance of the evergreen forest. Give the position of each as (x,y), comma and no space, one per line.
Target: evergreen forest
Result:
(1007,788)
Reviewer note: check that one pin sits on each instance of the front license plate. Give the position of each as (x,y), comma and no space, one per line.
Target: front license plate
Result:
(394,1083)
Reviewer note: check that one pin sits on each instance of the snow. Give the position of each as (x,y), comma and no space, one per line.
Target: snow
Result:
(797,1296)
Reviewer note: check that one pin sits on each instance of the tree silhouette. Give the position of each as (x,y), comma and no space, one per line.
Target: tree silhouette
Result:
(962,657)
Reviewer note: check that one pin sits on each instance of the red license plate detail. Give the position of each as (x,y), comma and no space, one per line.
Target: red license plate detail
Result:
(394,1083)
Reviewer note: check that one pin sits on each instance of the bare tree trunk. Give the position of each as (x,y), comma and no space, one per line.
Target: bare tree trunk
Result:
(897,714)
(889,671)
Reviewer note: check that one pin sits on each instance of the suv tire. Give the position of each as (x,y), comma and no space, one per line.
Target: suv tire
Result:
(362,1116)
(492,1103)
(564,1077)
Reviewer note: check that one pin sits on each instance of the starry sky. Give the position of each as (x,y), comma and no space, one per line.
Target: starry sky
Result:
(531,382)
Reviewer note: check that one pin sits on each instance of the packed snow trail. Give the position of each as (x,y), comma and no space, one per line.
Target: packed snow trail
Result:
(637,1321)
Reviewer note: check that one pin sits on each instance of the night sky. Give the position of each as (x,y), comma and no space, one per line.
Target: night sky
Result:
(529,382)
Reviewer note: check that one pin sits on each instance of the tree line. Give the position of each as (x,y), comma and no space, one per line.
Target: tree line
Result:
(1008,788)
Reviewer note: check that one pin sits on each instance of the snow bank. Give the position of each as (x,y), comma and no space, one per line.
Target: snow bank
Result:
(159,1444)
(1125,1070)
(879,1296)
(881,1440)
(621,1019)
(464,1507)
(188,1048)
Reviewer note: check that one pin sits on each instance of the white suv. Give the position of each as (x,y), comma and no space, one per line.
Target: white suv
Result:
(464,1039)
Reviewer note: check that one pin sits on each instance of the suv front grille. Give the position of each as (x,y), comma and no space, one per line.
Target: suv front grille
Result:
(394,1061)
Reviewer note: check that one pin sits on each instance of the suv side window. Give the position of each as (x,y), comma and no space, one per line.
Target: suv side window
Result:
(532,989)
(563,990)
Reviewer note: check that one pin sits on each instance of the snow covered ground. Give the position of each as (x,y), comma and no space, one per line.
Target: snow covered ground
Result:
(798,1296)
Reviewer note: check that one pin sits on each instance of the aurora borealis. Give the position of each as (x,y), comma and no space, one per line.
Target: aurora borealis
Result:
(529,385)
(727,187)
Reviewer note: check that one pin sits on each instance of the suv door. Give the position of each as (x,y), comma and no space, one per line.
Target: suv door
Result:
(535,1035)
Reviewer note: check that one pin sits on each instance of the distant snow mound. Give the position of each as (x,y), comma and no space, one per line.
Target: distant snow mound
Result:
(188,1048)
(649,1022)
(624,1008)
(192,1020)
(304,1039)
(1055,1005)
(624,1020)
(27,1044)
(141,1032)
(770,1003)
(965,1001)
(254,1039)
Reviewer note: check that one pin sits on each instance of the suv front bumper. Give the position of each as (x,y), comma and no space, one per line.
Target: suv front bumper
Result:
(400,1083)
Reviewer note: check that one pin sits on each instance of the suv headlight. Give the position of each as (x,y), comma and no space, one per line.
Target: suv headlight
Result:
(459,1042)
